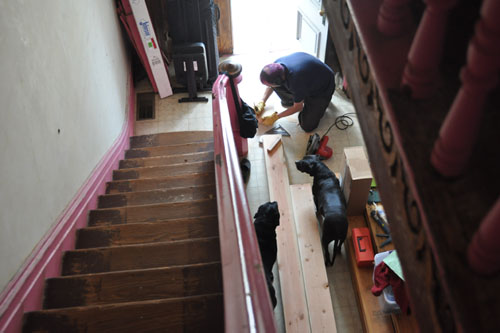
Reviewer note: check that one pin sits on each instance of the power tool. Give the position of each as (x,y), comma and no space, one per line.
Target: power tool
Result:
(382,222)
(317,146)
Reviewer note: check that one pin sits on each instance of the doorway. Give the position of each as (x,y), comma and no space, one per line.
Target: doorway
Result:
(264,26)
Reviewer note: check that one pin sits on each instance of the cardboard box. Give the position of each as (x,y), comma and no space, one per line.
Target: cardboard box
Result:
(151,48)
(356,180)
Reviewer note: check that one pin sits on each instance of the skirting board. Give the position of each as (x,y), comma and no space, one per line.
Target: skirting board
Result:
(25,291)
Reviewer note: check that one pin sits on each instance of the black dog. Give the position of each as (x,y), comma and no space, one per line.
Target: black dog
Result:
(267,219)
(330,203)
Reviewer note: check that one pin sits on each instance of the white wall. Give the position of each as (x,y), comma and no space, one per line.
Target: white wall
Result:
(63,66)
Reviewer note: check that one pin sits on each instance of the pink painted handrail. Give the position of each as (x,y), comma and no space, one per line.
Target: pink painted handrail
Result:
(421,71)
(459,131)
(394,17)
(247,306)
(483,253)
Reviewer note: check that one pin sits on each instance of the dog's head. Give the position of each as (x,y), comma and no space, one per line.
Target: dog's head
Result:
(269,214)
(308,164)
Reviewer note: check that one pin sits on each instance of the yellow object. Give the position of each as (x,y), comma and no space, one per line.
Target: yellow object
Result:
(269,120)
(259,107)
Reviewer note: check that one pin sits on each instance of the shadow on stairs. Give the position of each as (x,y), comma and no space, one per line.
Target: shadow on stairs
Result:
(149,259)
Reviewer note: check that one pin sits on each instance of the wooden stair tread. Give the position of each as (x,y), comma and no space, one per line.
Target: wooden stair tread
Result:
(188,314)
(169,150)
(157,196)
(163,170)
(141,233)
(152,212)
(373,319)
(139,256)
(133,286)
(120,186)
(166,160)
(170,138)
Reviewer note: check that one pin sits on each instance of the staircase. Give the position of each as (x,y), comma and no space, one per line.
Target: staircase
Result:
(149,259)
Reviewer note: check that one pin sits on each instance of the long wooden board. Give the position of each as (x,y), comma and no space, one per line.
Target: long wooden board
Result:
(318,296)
(402,322)
(374,320)
(292,286)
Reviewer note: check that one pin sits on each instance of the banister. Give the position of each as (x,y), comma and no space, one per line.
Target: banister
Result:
(247,306)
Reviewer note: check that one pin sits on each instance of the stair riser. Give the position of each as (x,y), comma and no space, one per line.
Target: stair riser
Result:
(166,160)
(140,256)
(169,150)
(157,196)
(165,139)
(161,183)
(195,314)
(133,286)
(152,213)
(129,234)
(163,171)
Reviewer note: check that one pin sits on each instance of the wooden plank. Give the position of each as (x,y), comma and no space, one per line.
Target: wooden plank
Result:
(292,286)
(187,314)
(153,212)
(169,150)
(167,160)
(133,285)
(374,320)
(402,322)
(225,37)
(318,296)
(121,186)
(120,258)
(141,233)
(157,196)
(171,138)
(163,171)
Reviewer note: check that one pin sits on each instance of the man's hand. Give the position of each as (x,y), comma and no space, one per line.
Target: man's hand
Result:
(259,107)
(269,120)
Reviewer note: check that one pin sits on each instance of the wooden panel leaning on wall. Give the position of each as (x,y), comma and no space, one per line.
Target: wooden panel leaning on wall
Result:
(224,27)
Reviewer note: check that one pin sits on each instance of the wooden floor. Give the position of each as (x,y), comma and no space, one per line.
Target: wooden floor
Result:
(149,258)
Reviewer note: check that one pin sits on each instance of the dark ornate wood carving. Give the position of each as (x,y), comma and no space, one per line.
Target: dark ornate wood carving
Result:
(431,218)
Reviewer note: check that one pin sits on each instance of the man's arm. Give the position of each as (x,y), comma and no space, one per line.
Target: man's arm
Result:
(296,107)
(267,93)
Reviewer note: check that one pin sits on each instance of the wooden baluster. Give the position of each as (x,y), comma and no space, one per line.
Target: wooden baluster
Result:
(394,17)
(483,253)
(459,130)
(421,71)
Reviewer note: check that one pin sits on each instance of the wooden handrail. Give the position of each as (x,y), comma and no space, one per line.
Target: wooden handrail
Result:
(247,306)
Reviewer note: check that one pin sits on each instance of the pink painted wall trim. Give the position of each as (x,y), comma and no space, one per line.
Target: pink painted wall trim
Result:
(25,291)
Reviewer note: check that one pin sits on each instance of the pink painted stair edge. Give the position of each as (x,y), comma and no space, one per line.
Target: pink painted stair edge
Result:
(25,291)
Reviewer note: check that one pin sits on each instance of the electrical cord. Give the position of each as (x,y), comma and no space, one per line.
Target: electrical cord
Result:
(342,122)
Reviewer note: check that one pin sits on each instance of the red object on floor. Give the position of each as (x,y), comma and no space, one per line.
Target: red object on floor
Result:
(323,150)
(383,277)
(362,246)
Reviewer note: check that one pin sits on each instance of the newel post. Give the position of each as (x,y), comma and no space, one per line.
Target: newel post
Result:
(459,130)
(425,54)
(394,17)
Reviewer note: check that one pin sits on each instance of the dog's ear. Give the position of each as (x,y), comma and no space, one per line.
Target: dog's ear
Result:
(303,165)
(260,212)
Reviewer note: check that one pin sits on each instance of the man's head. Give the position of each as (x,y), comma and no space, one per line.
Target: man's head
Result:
(272,75)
